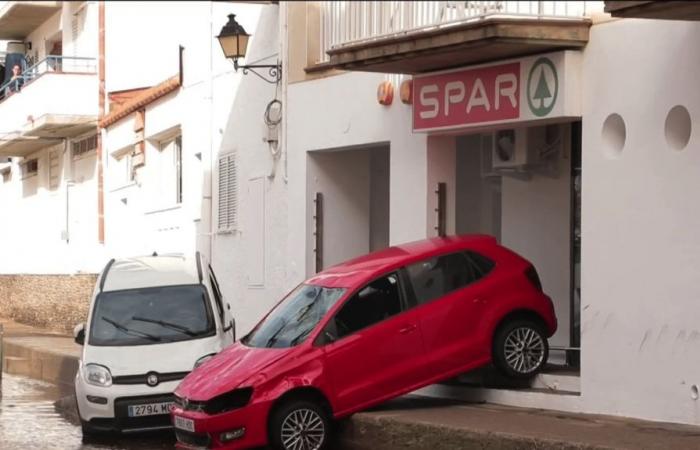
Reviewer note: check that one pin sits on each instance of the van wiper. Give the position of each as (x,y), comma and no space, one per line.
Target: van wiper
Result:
(165,324)
(130,331)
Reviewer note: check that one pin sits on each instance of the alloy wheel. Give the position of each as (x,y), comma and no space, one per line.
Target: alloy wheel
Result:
(524,350)
(303,429)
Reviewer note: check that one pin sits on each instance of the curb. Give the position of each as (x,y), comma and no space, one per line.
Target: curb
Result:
(370,431)
(40,364)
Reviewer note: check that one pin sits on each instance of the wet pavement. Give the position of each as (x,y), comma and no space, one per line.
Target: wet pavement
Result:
(29,420)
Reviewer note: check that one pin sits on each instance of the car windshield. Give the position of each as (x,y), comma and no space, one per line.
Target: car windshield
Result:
(291,322)
(151,316)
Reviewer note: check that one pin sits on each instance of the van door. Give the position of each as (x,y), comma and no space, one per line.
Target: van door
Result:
(223,309)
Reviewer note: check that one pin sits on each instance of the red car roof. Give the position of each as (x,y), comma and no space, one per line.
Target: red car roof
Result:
(364,268)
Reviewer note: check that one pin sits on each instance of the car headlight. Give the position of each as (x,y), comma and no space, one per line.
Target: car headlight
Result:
(97,375)
(203,359)
(237,398)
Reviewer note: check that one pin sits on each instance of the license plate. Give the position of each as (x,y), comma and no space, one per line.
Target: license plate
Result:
(150,409)
(184,424)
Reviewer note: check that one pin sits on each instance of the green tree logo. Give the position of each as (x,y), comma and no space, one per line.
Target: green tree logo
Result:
(540,97)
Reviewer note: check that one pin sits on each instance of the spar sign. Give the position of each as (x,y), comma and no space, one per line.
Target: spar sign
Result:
(532,88)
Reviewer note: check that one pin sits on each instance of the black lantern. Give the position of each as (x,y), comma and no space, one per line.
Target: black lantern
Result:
(233,39)
(234,43)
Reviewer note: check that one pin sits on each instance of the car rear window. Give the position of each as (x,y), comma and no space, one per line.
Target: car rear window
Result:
(483,264)
(432,278)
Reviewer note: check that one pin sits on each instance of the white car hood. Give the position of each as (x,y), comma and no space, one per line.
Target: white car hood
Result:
(161,358)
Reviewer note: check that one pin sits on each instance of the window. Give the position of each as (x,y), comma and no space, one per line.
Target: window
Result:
(151,315)
(6,174)
(169,171)
(482,263)
(441,275)
(178,169)
(30,168)
(377,301)
(228,193)
(83,146)
(294,318)
(218,298)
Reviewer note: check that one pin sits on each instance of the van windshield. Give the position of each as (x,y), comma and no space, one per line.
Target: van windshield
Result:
(153,315)
(291,322)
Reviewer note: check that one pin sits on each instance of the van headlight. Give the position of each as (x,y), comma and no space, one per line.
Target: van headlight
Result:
(204,359)
(97,375)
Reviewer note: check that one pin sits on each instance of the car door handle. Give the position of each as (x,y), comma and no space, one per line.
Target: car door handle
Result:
(408,329)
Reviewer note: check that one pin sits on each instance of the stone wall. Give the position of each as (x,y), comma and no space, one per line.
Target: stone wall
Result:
(56,302)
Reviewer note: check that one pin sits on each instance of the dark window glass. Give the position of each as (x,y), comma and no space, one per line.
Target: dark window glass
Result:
(377,301)
(151,316)
(294,318)
(482,263)
(218,298)
(438,276)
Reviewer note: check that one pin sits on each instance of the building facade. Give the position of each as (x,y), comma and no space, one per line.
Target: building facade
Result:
(48,124)
(563,131)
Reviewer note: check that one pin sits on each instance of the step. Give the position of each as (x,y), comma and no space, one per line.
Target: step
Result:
(553,378)
(14,365)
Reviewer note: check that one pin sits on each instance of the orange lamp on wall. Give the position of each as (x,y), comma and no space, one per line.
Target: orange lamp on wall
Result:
(385,93)
(406,92)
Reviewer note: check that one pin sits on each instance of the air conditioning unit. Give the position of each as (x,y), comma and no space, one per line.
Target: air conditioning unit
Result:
(509,148)
(525,148)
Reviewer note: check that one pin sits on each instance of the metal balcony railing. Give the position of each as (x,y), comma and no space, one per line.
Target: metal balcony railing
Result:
(51,64)
(353,22)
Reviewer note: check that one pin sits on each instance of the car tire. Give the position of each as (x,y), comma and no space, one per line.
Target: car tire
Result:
(89,433)
(520,349)
(300,419)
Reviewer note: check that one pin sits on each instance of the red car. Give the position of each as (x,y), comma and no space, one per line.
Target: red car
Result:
(365,331)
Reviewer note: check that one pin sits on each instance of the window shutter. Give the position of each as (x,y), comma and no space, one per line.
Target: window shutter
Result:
(228,193)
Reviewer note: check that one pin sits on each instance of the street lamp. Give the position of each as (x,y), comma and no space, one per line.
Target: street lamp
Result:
(234,43)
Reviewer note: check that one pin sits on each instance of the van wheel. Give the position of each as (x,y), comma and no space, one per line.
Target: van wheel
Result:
(89,434)
(300,424)
(520,349)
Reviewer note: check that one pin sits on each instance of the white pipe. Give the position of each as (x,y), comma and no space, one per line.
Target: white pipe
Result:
(284,56)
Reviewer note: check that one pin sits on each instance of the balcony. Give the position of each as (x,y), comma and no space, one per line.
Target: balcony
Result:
(669,10)
(19,18)
(55,99)
(424,36)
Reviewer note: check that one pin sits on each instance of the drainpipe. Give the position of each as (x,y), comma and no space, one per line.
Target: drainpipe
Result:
(100,168)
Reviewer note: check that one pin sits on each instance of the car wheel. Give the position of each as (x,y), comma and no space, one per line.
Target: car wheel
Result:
(89,433)
(520,349)
(300,425)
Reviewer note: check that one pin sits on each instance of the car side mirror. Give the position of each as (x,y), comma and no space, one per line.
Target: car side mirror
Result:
(233,329)
(79,334)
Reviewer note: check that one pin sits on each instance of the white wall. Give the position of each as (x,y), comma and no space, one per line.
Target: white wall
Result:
(37,216)
(261,188)
(640,222)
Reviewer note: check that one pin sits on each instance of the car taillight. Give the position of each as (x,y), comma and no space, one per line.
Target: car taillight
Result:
(531,274)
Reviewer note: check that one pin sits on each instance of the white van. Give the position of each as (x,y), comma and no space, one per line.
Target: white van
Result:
(151,321)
